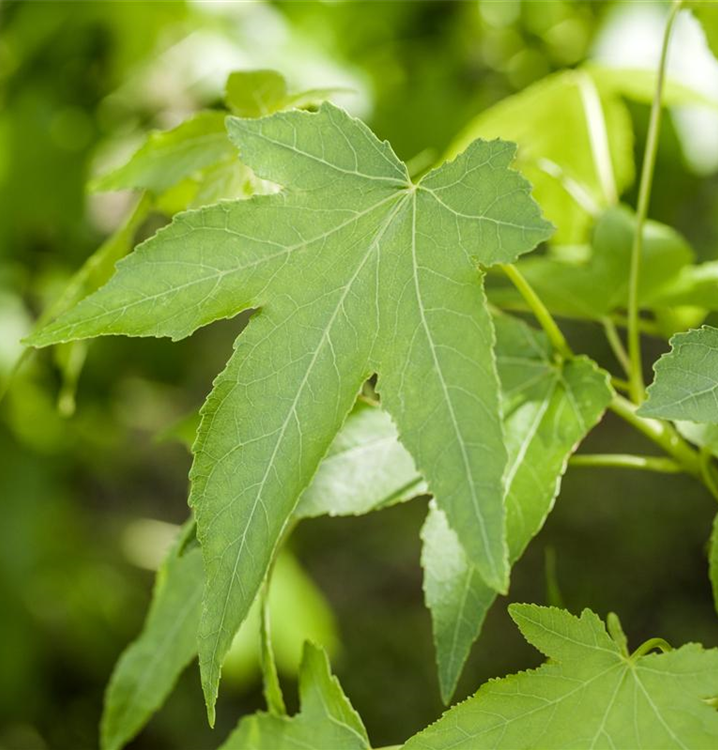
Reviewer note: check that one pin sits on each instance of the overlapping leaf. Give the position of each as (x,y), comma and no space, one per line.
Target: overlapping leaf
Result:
(686,379)
(357,270)
(598,285)
(548,409)
(591,694)
(149,668)
(326,720)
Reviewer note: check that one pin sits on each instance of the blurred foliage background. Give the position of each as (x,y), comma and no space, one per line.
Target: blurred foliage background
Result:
(90,494)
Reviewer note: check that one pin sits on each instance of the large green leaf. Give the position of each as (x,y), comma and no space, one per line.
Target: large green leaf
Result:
(548,409)
(590,694)
(594,287)
(686,379)
(326,720)
(357,270)
(147,671)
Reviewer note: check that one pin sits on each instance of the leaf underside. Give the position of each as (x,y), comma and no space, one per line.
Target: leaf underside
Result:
(356,271)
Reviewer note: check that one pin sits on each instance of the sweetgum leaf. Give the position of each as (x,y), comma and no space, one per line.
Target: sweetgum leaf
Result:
(356,270)
(686,379)
(148,669)
(548,409)
(590,694)
(326,720)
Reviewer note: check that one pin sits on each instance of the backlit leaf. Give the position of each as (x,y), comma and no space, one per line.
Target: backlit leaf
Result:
(356,270)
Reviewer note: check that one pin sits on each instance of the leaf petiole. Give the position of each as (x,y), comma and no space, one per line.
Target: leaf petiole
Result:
(544,317)
(627,461)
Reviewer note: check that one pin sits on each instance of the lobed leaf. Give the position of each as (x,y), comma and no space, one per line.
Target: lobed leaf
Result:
(590,694)
(685,386)
(356,271)
(326,720)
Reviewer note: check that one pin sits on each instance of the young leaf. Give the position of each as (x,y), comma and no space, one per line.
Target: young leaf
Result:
(326,721)
(148,669)
(589,694)
(366,468)
(548,409)
(357,270)
(686,379)
(169,156)
(255,93)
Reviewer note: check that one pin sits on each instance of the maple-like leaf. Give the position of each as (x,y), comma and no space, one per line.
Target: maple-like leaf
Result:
(590,694)
(357,270)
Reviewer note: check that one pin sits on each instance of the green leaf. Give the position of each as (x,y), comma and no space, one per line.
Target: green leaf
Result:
(148,669)
(548,409)
(589,694)
(366,468)
(713,562)
(595,287)
(706,11)
(255,93)
(326,721)
(575,146)
(169,156)
(685,385)
(352,266)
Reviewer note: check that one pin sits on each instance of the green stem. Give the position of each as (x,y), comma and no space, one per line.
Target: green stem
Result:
(661,433)
(556,337)
(708,472)
(627,461)
(614,341)
(650,645)
(644,197)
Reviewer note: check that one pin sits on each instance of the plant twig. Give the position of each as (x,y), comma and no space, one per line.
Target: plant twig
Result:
(644,196)
(627,461)
(544,317)
(614,341)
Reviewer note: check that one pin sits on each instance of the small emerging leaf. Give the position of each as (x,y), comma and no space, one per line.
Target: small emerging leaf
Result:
(326,720)
(589,694)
